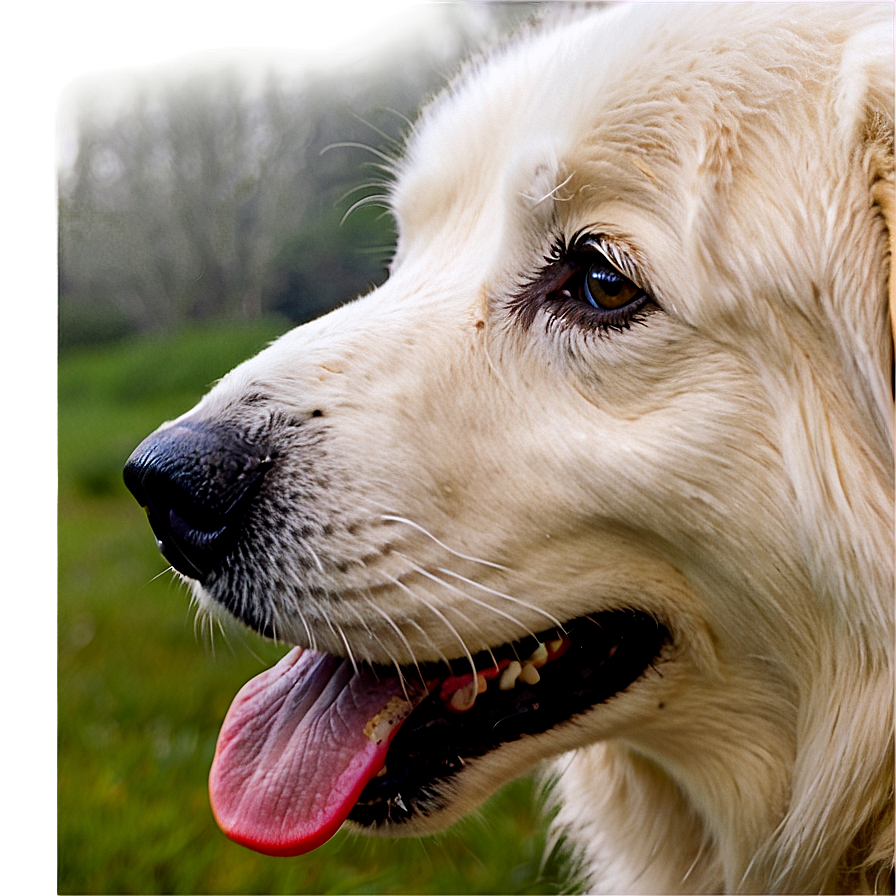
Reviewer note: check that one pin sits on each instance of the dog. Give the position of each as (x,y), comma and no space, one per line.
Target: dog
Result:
(602,474)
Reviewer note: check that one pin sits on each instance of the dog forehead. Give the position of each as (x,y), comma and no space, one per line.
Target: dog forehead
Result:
(507,121)
(669,86)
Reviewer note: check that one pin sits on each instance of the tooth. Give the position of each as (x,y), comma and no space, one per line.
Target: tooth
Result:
(464,698)
(539,656)
(380,725)
(557,648)
(381,772)
(530,674)
(507,681)
(481,684)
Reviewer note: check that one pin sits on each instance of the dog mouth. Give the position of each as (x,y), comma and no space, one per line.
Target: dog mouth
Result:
(316,741)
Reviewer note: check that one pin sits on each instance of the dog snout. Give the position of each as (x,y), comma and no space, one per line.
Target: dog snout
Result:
(195,481)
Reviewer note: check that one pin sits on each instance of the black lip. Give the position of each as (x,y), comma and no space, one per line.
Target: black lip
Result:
(609,651)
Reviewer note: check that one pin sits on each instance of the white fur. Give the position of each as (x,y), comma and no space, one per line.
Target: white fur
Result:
(727,465)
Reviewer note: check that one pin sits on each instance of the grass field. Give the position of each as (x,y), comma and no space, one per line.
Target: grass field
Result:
(142,694)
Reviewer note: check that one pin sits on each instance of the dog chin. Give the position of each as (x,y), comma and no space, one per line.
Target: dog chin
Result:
(451,749)
(450,799)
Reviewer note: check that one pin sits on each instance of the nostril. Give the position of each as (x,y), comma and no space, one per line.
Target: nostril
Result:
(195,482)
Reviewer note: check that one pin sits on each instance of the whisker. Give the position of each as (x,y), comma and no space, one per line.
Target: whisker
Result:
(367,185)
(272,623)
(348,648)
(396,143)
(466,618)
(400,519)
(316,559)
(350,144)
(197,624)
(366,626)
(441,616)
(438,581)
(516,600)
(399,675)
(163,572)
(375,251)
(206,632)
(469,597)
(430,641)
(216,620)
(245,644)
(372,604)
(549,194)
(401,679)
(312,637)
(373,199)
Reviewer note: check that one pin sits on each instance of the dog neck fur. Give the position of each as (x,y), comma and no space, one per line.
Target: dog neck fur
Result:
(852,849)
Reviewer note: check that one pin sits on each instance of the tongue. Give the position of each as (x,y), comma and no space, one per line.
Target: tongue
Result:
(297,747)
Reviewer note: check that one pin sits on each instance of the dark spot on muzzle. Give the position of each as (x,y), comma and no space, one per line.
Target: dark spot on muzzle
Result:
(196,480)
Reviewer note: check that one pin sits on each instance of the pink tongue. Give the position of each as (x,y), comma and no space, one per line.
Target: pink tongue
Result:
(298,745)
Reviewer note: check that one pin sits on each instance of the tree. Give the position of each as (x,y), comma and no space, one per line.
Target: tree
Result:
(207,196)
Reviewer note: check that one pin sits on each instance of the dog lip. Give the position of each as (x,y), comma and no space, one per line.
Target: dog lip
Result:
(609,651)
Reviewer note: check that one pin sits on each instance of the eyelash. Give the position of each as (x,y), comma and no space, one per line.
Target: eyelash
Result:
(558,287)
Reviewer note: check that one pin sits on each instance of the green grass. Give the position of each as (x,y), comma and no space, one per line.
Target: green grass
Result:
(142,694)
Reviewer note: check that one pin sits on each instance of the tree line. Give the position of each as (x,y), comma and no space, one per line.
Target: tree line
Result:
(210,196)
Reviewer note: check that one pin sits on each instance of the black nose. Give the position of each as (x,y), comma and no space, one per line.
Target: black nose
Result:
(195,481)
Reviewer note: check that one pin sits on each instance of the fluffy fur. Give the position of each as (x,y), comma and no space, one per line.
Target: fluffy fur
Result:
(463,455)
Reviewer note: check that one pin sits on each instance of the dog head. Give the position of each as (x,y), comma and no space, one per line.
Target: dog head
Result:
(607,458)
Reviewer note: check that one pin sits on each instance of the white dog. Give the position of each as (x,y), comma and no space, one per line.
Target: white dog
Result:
(603,472)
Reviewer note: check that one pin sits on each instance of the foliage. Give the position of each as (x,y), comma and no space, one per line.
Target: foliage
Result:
(141,694)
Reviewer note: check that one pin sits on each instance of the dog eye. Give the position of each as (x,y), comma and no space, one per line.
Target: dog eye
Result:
(587,283)
(605,289)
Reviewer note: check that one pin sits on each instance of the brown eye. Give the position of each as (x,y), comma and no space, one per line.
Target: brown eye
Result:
(606,289)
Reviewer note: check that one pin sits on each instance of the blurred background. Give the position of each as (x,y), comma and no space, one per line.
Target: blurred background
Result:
(204,207)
